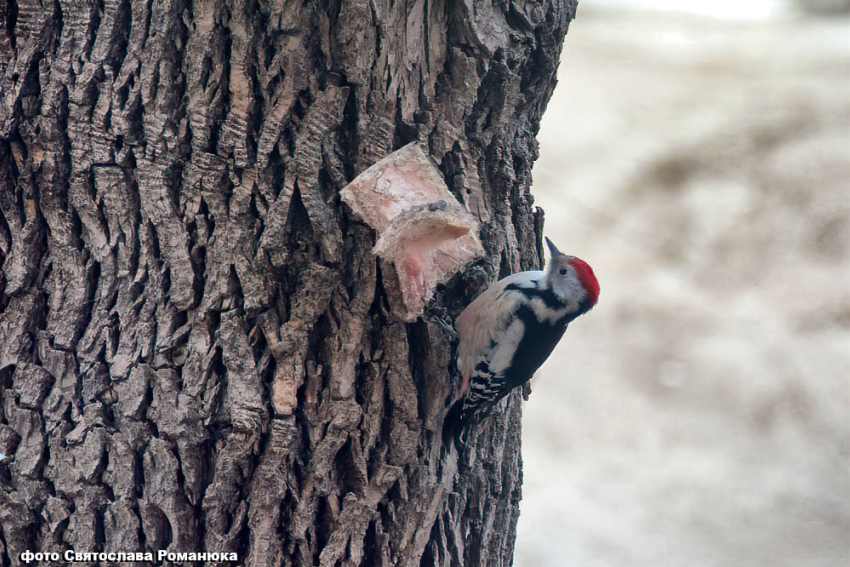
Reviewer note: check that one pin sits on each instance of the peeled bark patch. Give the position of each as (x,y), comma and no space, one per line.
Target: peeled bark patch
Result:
(422,230)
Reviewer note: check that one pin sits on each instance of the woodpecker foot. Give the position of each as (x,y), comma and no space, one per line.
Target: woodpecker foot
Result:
(440,317)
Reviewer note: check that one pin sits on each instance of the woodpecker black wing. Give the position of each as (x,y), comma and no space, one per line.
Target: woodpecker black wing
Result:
(506,334)
(487,327)
(488,386)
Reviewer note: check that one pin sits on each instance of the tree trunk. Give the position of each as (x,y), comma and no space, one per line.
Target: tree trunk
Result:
(198,348)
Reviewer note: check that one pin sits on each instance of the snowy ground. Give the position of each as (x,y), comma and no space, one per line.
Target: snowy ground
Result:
(700,415)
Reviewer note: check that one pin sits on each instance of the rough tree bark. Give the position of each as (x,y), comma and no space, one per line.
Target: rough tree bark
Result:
(196,347)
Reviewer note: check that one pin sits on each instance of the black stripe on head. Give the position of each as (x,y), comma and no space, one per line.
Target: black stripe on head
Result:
(549,297)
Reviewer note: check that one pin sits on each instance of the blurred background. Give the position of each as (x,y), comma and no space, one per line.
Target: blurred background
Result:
(697,154)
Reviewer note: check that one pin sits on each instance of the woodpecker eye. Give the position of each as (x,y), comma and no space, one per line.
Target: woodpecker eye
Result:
(562,272)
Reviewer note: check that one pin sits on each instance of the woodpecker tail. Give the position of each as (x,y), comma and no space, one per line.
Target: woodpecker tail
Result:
(453,425)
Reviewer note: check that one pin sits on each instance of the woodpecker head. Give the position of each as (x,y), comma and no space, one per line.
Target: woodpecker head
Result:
(571,279)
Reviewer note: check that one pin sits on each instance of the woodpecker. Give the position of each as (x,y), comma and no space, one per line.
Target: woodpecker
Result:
(510,330)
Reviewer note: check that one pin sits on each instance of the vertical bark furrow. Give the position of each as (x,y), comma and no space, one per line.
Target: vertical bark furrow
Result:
(273,483)
(290,342)
(324,116)
(24,225)
(197,350)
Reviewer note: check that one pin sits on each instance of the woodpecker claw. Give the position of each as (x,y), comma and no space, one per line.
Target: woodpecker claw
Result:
(440,317)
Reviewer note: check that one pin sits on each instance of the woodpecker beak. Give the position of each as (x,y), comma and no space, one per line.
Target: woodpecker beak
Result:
(554,251)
